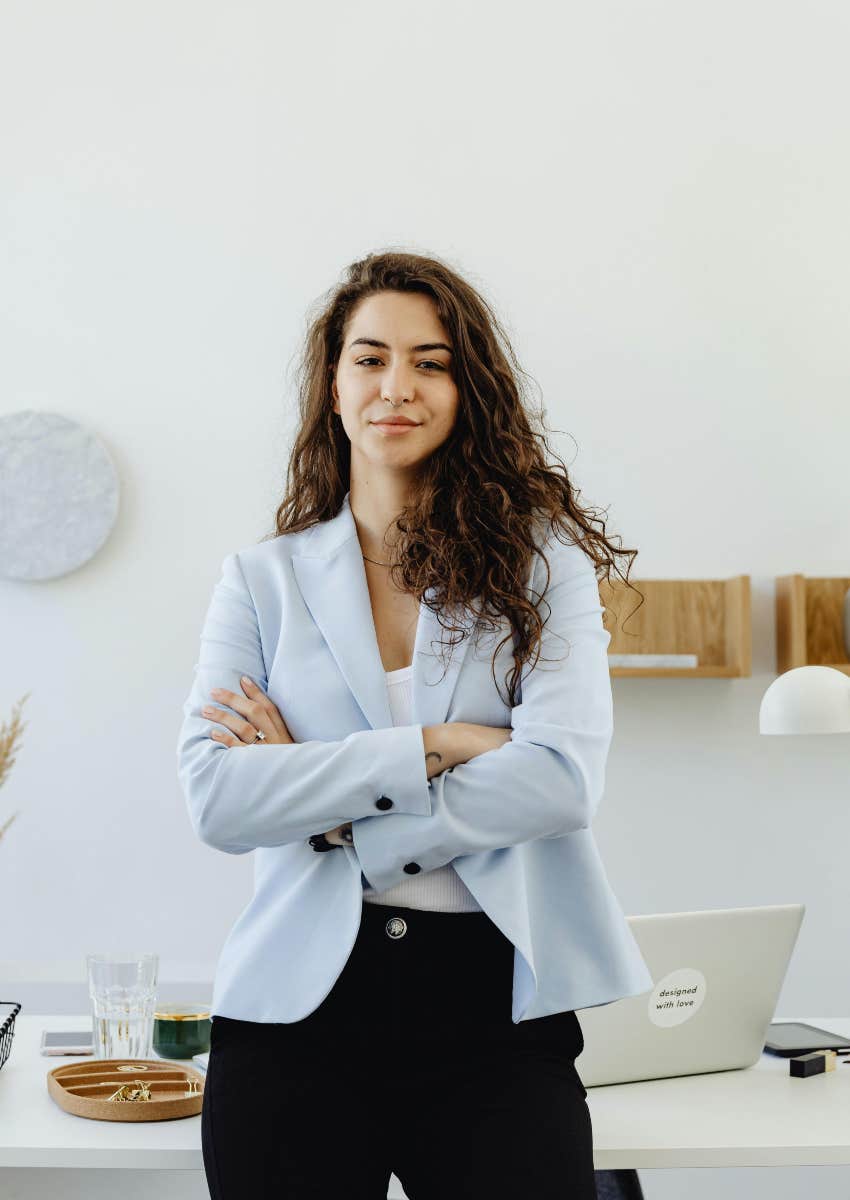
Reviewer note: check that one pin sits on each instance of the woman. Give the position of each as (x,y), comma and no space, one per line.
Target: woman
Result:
(429,910)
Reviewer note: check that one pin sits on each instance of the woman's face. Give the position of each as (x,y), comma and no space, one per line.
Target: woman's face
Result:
(395,348)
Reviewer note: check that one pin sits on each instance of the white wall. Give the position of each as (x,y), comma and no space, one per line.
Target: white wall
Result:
(653,195)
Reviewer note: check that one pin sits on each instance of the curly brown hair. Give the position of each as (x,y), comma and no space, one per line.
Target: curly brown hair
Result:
(468,531)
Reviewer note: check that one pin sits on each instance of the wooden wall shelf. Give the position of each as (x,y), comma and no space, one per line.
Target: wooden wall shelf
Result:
(809,614)
(706,617)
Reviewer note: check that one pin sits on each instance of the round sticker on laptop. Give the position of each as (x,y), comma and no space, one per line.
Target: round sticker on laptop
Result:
(676,997)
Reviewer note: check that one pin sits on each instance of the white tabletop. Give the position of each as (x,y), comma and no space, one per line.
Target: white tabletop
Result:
(757,1117)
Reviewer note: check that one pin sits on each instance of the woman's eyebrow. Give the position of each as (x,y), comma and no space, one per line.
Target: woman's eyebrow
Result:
(365,341)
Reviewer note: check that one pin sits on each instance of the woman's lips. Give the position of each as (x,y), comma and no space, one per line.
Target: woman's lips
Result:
(386,427)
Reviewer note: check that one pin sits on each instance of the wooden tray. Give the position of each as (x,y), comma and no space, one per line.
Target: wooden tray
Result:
(83,1089)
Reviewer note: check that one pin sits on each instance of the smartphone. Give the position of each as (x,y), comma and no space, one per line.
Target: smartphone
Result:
(67,1041)
(787,1038)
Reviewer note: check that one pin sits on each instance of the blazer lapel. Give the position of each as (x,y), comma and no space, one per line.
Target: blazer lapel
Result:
(332,579)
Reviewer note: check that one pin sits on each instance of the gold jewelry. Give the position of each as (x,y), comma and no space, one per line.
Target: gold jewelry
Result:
(128,1092)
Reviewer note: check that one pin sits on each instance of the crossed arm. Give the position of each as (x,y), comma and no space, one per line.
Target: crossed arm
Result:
(445,745)
(544,781)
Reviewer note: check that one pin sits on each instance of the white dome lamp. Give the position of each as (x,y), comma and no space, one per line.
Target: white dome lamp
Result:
(807,700)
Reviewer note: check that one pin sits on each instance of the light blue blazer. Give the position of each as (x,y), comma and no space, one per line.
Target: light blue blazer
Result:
(293,613)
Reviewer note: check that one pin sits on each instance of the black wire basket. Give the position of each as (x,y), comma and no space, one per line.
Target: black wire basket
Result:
(7,1027)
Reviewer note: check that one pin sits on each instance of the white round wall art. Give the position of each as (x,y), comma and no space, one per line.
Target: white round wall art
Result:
(58,495)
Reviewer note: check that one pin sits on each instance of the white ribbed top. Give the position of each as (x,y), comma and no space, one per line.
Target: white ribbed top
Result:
(441,890)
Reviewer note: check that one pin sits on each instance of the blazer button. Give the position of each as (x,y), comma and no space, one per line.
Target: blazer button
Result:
(412,868)
(383,802)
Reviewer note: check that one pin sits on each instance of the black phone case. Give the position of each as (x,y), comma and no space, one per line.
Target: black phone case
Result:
(839,1042)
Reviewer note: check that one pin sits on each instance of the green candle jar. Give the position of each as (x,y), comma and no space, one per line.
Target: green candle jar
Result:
(181,1030)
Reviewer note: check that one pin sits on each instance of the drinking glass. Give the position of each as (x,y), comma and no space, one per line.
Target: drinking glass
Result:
(122,988)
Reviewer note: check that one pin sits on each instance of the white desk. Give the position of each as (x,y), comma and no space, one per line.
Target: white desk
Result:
(760,1116)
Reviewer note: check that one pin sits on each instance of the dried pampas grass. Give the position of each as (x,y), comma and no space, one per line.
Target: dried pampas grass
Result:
(9,743)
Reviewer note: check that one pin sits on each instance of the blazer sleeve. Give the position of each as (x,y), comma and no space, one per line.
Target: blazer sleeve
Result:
(242,797)
(546,781)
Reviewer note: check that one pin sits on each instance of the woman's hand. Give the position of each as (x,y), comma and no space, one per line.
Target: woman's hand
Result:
(478,739)
(258,713)
(341,836)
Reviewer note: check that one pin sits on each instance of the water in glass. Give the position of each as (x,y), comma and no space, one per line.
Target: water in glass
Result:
(122,988)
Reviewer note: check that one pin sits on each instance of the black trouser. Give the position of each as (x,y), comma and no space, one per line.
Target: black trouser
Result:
(411,1066)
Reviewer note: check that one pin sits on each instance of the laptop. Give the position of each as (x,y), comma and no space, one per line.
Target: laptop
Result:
(716,974)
